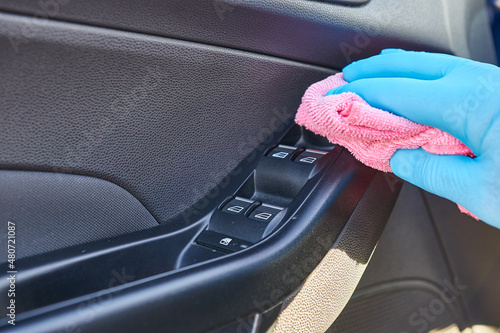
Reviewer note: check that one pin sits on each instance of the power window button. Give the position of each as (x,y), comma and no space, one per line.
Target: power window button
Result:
(264,213)
(237,206)
(310,157)
(282,152)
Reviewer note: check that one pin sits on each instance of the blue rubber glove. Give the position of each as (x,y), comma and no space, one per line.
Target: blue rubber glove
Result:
(456,95)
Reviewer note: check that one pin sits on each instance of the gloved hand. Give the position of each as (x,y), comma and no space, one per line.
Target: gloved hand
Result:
(456,95)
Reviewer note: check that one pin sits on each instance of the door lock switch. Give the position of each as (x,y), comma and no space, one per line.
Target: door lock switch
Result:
(265,213)
(222,242)
(237,206)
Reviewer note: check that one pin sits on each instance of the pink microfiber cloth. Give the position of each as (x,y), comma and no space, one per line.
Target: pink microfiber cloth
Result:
(371,135)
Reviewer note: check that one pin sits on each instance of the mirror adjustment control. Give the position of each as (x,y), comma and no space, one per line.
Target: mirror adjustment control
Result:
(282,152)
(264,213)
(221,242)
(309,157)
(237,206)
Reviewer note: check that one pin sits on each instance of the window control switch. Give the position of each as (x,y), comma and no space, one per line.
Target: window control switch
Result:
(264,213)
(237,206)
(282,152)
(309,157)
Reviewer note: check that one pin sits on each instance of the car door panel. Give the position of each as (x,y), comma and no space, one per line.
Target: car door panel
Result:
(128,127)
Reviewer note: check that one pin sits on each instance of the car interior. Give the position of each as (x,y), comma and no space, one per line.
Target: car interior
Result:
(152,178)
